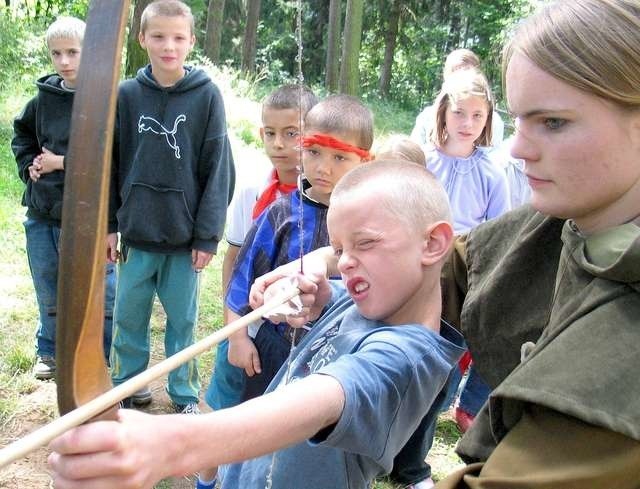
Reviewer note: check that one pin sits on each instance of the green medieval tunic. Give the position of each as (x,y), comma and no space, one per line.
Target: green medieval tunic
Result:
(552,319)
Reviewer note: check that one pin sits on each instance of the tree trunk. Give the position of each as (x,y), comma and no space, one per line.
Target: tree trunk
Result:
(390,39)
(250,36)
(349,69)
(332,65)
(213,34)
(136,56)
(453,39)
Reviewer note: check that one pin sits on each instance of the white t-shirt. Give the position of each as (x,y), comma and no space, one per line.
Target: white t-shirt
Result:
(239,213)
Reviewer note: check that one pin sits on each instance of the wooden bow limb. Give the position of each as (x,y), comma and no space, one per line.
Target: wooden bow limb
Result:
(81,370)
(111,398)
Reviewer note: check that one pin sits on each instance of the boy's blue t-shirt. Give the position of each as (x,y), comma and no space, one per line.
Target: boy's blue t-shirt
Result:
(390,376)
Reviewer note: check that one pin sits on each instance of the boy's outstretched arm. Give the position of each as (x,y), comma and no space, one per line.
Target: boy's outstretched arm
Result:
(140,449)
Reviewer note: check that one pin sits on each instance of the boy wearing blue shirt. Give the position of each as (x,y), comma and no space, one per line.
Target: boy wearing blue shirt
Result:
(338,135)
(347,128)
(173,177)
(357,385)
(280,134)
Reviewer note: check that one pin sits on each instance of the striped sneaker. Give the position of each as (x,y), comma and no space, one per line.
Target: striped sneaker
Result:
(191,408)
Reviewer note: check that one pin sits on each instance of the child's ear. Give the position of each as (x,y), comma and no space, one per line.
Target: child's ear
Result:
(141,40)
(438,238)
(262,134)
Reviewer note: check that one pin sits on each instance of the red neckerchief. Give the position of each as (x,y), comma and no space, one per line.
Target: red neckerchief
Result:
(331,142)
(464,362)
(271,193)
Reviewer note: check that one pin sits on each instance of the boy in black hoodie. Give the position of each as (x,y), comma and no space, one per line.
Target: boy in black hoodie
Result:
(40,140)
(173,178)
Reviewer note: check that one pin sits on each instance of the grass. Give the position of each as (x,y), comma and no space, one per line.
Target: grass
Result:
(18,312)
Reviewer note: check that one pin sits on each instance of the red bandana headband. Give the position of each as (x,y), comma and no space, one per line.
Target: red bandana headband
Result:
(331,142)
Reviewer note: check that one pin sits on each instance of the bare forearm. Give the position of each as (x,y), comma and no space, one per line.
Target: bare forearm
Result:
(227,266)
(227,269)
(260,426)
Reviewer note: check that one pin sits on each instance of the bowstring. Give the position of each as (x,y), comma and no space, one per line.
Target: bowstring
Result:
(300,83)
(300,76)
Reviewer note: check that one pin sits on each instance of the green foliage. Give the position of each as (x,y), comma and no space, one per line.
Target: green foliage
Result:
(246,131)
(22,50)
(19,359)
(428,31)
(389,116)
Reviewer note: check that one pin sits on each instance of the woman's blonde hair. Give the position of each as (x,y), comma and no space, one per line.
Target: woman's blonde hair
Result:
(563,39)
(461,85)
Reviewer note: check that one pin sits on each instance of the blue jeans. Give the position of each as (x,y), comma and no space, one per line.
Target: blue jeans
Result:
(43,240)
(409,466)
(140,277)
(227,381)
(475,392)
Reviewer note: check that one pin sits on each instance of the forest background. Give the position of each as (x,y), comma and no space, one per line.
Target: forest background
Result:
(387,49)
(388,52)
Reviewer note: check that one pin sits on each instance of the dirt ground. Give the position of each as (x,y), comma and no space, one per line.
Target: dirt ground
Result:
(35,411)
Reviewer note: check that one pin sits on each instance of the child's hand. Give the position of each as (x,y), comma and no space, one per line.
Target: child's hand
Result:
(243,354)
(112,248)
(200,259)
(315,293)
(123,454)
(50,161)
(34,170)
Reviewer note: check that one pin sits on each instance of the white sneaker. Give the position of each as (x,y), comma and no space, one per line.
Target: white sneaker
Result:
(425,484)
(45,367)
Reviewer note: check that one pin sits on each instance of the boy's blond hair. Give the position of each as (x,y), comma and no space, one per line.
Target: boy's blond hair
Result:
(405,189)
(345,115)
(65,28)
(461,85)
(399,147)
(291,97)
(166,8)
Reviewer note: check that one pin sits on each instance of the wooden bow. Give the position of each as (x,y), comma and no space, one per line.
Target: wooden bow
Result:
(81,370)
(83,382)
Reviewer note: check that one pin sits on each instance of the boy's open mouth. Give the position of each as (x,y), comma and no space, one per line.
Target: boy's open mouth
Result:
(357,287)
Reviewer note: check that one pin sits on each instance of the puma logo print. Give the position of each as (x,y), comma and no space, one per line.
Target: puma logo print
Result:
(150,124)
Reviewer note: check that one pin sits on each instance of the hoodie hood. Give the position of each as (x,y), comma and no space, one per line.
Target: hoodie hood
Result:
(52,83)
(612,254)
(193,78)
